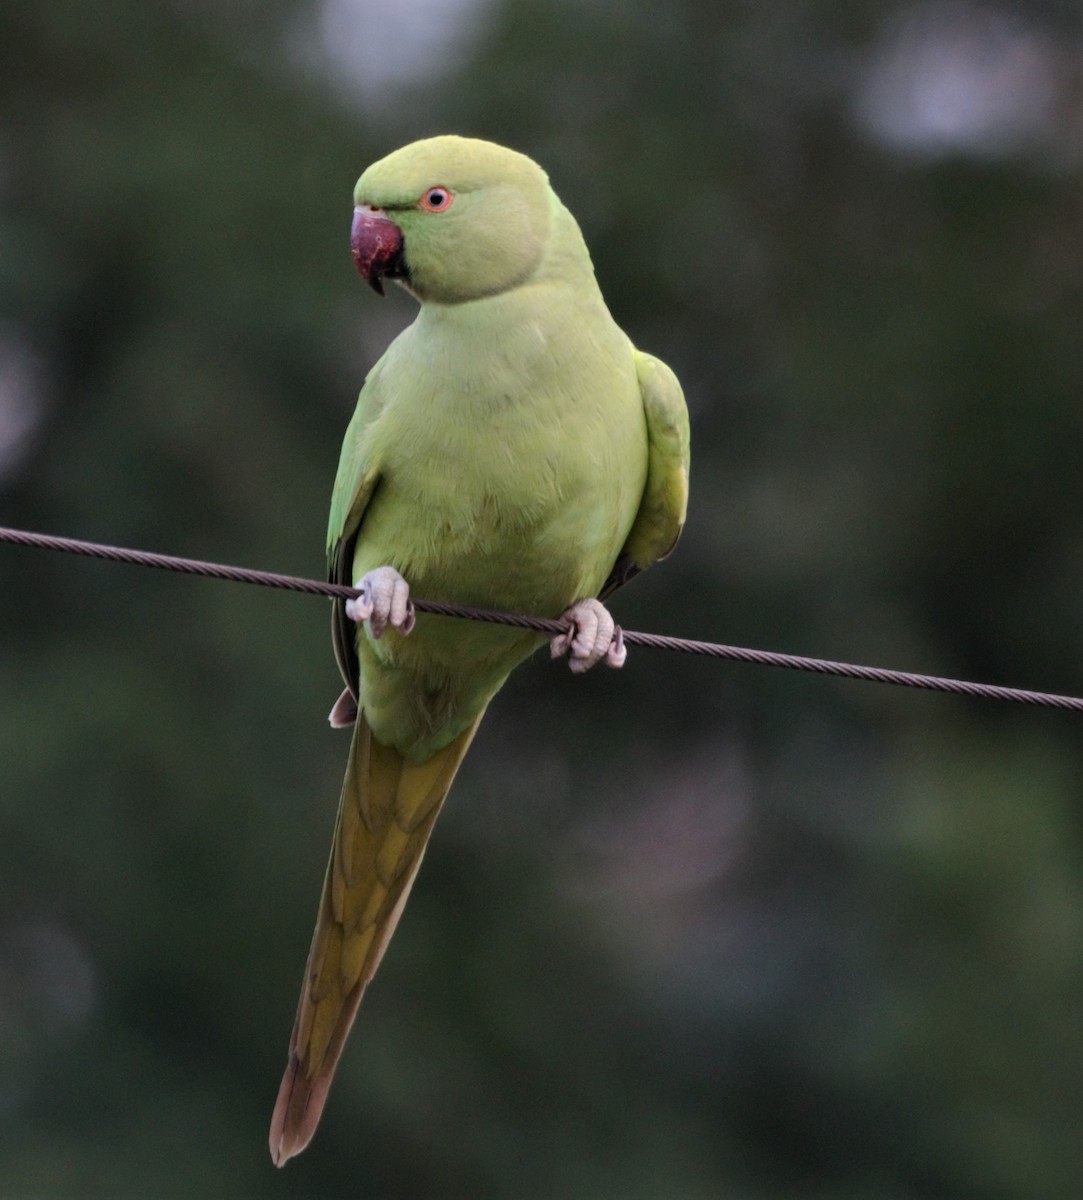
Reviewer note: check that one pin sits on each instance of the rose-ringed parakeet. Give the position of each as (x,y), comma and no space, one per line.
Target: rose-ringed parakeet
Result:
(512,450)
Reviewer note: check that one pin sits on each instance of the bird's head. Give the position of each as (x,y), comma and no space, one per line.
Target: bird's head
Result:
(452,218)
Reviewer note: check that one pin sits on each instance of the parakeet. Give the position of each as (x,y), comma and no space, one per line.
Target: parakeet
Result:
(511,450)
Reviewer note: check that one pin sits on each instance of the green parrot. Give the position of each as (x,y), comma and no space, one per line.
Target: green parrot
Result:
(511,450)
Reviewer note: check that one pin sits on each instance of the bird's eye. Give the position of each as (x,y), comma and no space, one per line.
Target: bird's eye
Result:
(436,199)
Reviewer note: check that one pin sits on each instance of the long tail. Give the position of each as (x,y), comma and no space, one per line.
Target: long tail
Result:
(385,816)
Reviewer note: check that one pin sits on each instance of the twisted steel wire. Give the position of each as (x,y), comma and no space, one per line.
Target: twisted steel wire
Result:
(793,662)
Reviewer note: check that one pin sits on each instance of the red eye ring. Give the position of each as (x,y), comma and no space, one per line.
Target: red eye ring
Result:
(436,200)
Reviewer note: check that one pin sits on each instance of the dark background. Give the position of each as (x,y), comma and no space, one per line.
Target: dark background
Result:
(691,930)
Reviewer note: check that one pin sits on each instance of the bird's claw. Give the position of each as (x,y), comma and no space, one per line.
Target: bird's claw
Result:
(343,713)
(384,600)
(591,637)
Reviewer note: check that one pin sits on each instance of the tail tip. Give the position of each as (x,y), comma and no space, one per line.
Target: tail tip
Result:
(297,1112)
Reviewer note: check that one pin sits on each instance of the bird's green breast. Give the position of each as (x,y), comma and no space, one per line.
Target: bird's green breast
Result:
(512,450)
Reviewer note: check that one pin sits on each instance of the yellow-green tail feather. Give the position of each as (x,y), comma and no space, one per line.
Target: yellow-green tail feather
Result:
(387,810)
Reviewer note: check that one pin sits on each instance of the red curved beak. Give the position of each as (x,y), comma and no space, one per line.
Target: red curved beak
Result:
(377,245)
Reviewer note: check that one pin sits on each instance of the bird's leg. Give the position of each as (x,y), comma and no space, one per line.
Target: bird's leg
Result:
(384,600)
(592,637)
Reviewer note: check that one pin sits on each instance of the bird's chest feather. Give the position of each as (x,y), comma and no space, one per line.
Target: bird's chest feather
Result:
(509,472)
(474,504)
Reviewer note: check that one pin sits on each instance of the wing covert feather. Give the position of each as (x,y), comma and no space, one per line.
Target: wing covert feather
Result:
(661,515)
(356,481)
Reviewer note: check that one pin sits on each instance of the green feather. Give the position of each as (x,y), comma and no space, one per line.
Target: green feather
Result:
(510,450)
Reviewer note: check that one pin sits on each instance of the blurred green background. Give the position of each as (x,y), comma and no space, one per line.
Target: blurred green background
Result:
(690,930)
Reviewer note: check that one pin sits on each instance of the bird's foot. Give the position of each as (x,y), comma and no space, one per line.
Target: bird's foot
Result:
(592,637)
(384,600)
(344,712)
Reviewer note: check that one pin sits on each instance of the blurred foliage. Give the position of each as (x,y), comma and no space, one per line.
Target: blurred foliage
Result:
(693,930)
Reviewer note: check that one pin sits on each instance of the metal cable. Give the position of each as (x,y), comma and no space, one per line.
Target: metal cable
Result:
(294,583)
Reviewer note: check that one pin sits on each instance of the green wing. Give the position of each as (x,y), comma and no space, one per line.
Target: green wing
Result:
(355,483)
(660,519)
